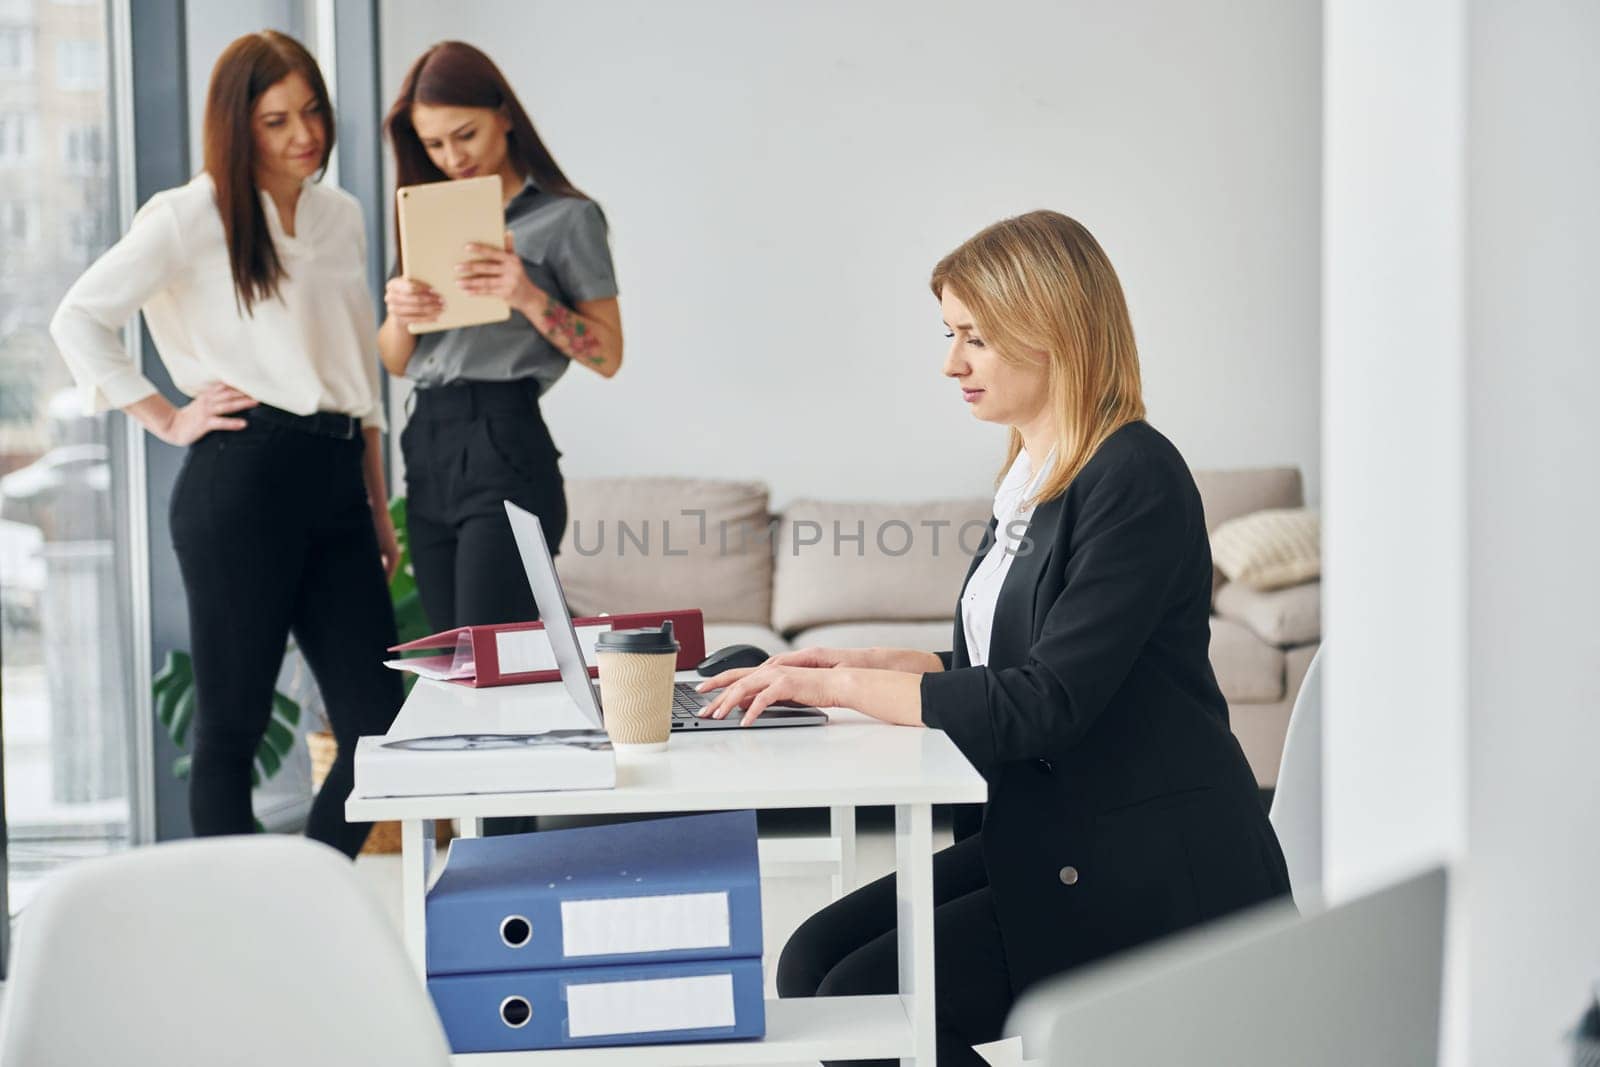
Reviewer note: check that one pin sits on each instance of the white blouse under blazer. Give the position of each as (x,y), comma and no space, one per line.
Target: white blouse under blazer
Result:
(313,347)
(982,593)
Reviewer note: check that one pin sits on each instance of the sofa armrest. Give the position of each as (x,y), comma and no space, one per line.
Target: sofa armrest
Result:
(1282,617)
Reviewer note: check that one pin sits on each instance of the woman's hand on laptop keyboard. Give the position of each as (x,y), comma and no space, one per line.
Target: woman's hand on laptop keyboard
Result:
(890,695)
(881,659)
(757,688)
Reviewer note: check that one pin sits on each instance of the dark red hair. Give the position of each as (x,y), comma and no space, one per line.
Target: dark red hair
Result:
(455,74)
(247,68)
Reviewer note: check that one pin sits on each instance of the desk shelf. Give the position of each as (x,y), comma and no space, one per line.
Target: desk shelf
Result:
(798,1031)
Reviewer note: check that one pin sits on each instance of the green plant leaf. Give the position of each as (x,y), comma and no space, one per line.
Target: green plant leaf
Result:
(259,825)
(180,766)
(168,686)
(286,709)
(182,716)
(410,621)
(279,738)
(269,760)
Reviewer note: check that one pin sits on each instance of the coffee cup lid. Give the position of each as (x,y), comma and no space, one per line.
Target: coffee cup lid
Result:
(638,640)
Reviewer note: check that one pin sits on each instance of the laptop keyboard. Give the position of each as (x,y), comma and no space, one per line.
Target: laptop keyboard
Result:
(685,701)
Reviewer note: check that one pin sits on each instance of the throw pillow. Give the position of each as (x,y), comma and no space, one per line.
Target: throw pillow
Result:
(1270,549)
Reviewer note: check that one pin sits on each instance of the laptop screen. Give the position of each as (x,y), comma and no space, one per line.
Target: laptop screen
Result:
(552,605)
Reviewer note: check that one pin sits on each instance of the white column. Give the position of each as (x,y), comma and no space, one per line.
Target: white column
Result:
(1532,882)
(1393,438)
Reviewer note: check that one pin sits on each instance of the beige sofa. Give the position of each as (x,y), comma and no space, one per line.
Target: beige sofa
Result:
(855,573)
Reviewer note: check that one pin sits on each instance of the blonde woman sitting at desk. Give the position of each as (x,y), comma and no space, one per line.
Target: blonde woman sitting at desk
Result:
(1120,808)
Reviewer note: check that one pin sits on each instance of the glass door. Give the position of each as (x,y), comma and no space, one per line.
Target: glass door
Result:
(66,680)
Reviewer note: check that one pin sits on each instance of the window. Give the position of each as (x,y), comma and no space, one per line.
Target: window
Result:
(78,65)
(85,235)
(19,132)
(66,679)
(18,223)
(81,149)
(16,51)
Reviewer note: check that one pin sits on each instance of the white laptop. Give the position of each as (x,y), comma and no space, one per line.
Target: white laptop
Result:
(563,636)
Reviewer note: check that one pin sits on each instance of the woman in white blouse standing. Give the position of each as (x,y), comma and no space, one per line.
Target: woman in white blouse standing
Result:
(252,281)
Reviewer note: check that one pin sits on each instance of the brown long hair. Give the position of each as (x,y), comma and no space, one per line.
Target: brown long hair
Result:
(455,74)
(247,68)
(1041,281)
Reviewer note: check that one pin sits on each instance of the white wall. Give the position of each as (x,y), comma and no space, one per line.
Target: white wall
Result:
(1533,375)
(1394,537)
(1394,542)
(781,179)
(1460,369)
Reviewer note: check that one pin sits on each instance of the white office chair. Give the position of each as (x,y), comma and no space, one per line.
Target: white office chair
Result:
(256,951)
(1356,984)
(1297,801)
(1296,816)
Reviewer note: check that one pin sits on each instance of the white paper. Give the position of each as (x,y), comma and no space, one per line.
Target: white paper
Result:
(400,772)
(422,669)
(644,924)
(529,650)
(599,1009)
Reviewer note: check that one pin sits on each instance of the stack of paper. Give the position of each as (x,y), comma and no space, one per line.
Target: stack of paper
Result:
(638,933)
(451,764)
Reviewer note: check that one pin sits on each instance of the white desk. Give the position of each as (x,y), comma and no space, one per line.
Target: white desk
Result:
(853,761)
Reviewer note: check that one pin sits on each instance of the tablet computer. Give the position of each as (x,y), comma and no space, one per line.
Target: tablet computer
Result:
(437,221)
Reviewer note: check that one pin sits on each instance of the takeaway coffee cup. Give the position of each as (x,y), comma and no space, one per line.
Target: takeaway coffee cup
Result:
(636,668)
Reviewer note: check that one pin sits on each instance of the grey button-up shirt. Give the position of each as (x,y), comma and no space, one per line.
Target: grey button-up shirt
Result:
(562,243)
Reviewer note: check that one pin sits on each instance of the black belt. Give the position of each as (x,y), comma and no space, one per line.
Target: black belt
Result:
(321,424)
(466,400)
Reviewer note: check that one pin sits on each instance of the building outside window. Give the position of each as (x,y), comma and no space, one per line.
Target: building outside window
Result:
(16,51)
(65,675)
(79,65)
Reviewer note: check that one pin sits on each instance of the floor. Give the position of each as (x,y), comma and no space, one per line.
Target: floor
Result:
(786,902)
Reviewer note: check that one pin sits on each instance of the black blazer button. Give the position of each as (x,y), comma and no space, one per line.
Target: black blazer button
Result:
(1046,766)
(1069,876)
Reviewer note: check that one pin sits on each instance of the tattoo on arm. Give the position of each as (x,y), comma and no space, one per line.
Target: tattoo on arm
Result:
(571,333)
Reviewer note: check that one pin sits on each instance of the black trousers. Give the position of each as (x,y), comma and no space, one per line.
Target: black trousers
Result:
(469,447)
(274,537)
(849,949)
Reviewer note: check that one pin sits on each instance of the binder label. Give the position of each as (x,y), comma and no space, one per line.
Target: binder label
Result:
(598,1009)
(644,924)
(523,651)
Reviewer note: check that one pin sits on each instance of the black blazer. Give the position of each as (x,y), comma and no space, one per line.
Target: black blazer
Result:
(1120,806)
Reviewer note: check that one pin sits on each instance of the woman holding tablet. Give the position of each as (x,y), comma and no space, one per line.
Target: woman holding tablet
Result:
(1120,806)
(476,437)
(252,278)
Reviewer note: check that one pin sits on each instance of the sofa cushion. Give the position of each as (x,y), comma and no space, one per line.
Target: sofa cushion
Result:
(722,634)
(1260,729)
(1228,494)
(1270,549)
(923,636)
(851,561)
(1296,662)
(1248,669)
(1282,617)
(643,544)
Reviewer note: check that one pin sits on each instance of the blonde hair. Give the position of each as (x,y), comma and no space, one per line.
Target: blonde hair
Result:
(1041,281)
